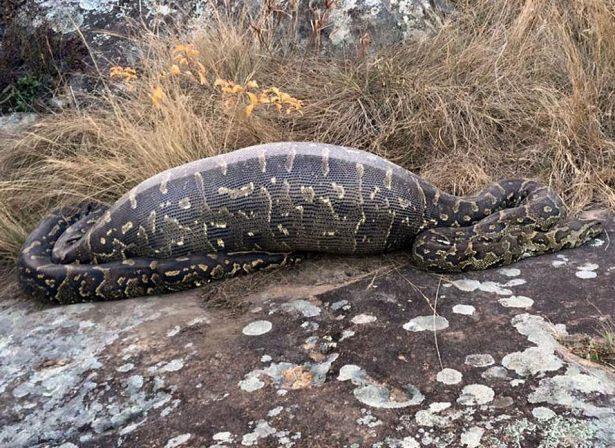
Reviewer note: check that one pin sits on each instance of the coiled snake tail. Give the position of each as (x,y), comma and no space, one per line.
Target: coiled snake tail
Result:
(507,221)
(46,279)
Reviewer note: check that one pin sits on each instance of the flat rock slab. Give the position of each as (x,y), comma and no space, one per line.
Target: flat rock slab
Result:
(334,352)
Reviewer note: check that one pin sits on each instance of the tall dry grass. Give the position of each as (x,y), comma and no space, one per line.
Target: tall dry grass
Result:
(505,88)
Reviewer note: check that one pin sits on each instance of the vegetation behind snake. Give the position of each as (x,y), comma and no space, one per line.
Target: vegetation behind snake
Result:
(263,206)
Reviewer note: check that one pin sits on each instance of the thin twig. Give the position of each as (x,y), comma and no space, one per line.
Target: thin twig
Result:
(435,333)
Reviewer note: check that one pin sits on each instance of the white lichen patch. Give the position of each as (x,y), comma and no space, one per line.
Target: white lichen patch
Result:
(470,285)
(449,376)
(257,328)
(476,394)
(310,326)
(516,302)
(275,411)
(134,383)
(174,331)
(347,334)
(480,360)
(426,323)
(510,272)
(223,437)
(429,418)
(368,420)
(597,242)
(586,274)
(532,361)
(340,304)
(542,413)
(303,307)
(126,367)
(177,441)
(539,359)
(589,267)
(68,398)
(466,310)
(251,383)
(571,390)
(587,271)
(286,375)
(391,442)
(472,437)
(374,394)
(262,431)
(495,373)
(172,366)
(361,319)
(561,261)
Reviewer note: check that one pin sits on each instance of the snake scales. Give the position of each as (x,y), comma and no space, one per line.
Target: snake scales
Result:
(261,206)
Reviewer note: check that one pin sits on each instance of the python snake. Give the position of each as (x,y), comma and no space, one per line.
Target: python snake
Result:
(263,206)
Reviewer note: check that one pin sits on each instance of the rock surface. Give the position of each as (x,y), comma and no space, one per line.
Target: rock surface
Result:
(338,23)
(335,352)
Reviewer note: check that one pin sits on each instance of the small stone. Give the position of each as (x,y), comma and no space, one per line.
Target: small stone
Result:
(449,376)
(257,328)
(586,274)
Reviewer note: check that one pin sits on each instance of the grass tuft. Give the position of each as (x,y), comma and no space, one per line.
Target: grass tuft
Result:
(504,88)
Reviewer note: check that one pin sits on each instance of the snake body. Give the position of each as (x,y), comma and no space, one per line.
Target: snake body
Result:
(263,206)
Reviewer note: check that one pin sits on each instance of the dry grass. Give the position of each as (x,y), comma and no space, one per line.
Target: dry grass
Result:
(506,88)
(599,348)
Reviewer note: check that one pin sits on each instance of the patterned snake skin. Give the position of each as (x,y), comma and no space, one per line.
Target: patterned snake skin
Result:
(261,206)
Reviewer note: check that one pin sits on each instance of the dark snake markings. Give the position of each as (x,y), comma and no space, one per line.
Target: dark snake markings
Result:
(259,207)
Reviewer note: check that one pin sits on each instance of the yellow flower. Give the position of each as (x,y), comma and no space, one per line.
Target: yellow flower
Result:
(157,96)
(253,103)
(124,73)
(175,70)
(115,71)
(181,60)
(202,73)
